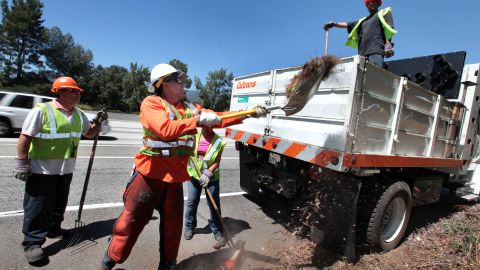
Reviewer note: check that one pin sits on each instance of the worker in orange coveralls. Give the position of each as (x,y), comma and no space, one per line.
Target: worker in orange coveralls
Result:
(169,124)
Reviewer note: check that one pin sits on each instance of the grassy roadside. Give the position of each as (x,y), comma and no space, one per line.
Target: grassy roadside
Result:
(451,243)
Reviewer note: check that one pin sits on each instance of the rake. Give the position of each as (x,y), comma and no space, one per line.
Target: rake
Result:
(77,237)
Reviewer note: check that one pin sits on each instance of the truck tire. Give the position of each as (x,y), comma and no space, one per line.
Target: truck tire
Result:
(389,219)
(5,128)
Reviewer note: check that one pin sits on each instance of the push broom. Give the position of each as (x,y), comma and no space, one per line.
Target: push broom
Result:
(239,246)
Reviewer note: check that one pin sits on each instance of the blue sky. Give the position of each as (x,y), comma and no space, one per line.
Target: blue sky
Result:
(249,36)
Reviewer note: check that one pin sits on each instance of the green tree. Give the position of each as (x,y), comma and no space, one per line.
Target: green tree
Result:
(64,57)
(22,38)
(179,65)
(134,87)
(103,87)
(215,94)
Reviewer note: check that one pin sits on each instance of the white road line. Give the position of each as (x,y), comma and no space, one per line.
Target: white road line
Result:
(104,205)
(110,145)
(112,157)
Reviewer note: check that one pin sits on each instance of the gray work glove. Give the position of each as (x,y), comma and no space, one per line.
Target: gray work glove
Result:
(22,169)
(209,119)
(389,52)
(205,178)
(260,111)
(100,117)
(328,25)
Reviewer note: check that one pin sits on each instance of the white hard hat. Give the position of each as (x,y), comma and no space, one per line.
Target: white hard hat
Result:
(159,72)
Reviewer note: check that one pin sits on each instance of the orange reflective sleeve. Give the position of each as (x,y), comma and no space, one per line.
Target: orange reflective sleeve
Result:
(154,117)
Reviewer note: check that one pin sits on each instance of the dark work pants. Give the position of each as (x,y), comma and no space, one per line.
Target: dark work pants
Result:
(376,59)
(44,205)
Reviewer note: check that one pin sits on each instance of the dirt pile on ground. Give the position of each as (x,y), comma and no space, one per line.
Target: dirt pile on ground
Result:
(450,243)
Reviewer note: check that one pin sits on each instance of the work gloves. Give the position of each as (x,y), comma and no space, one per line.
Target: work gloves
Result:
(22,169)
(260,111)
(209,119)
(205,178)
(328,25)
(389,52)
(100,117)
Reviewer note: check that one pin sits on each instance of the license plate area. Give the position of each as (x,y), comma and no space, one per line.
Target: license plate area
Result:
(274,158)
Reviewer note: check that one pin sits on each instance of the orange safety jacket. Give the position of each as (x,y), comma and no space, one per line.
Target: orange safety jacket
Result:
(155,118)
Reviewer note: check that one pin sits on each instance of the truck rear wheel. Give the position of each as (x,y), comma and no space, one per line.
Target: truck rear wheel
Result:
(389,219)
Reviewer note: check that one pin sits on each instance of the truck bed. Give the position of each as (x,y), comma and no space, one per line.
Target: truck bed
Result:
(361,116)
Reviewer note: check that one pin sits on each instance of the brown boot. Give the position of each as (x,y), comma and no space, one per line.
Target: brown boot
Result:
(219,241)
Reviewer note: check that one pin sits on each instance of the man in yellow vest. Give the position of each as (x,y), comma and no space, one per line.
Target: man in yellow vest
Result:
(47,150)
(208,151)
(371,35)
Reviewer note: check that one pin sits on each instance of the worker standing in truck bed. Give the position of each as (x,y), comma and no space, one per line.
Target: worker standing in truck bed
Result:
(371,35)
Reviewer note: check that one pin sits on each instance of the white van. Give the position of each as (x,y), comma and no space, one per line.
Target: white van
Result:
(14,108)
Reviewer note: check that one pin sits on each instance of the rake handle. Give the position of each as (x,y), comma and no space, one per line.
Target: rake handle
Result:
(87,177)
(326,42)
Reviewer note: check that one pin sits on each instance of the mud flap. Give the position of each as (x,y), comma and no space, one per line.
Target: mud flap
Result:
(335,226)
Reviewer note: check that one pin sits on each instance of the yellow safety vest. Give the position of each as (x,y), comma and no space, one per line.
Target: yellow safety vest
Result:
(352,40)
(58,139)
(216,146)
(182,146)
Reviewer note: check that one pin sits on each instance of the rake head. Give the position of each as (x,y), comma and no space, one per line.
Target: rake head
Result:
(77,236)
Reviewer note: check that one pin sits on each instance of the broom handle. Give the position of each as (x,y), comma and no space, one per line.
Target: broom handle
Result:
(248,112)
(219,215)
(326,42)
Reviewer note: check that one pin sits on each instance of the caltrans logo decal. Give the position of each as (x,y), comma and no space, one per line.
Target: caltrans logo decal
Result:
(241,85)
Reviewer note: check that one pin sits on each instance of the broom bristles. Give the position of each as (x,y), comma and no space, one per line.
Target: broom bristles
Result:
(325,62)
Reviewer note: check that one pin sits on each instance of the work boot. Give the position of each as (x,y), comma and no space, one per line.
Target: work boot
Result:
(167,265)
(34,254)
(59,233)
(220,241)
(188,234)
(107,263)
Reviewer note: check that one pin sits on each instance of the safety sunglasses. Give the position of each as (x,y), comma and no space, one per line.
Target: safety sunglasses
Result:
(71,90)
(175,77)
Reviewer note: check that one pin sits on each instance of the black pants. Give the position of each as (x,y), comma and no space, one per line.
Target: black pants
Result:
(44,205)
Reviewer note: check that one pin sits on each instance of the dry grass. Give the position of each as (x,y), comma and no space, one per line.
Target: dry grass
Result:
(451,243)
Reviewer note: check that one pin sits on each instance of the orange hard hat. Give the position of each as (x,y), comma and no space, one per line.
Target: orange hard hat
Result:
(65,82)
(368,1)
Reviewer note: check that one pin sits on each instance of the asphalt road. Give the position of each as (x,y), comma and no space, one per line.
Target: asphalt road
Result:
(111,170)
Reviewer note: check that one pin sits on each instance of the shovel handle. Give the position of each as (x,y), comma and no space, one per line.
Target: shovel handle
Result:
(249,112)
(235,114)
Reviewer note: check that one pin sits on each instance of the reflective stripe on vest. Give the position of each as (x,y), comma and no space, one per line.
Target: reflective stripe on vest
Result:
(58,138)
(389,32)
(213,150)
(183,146)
